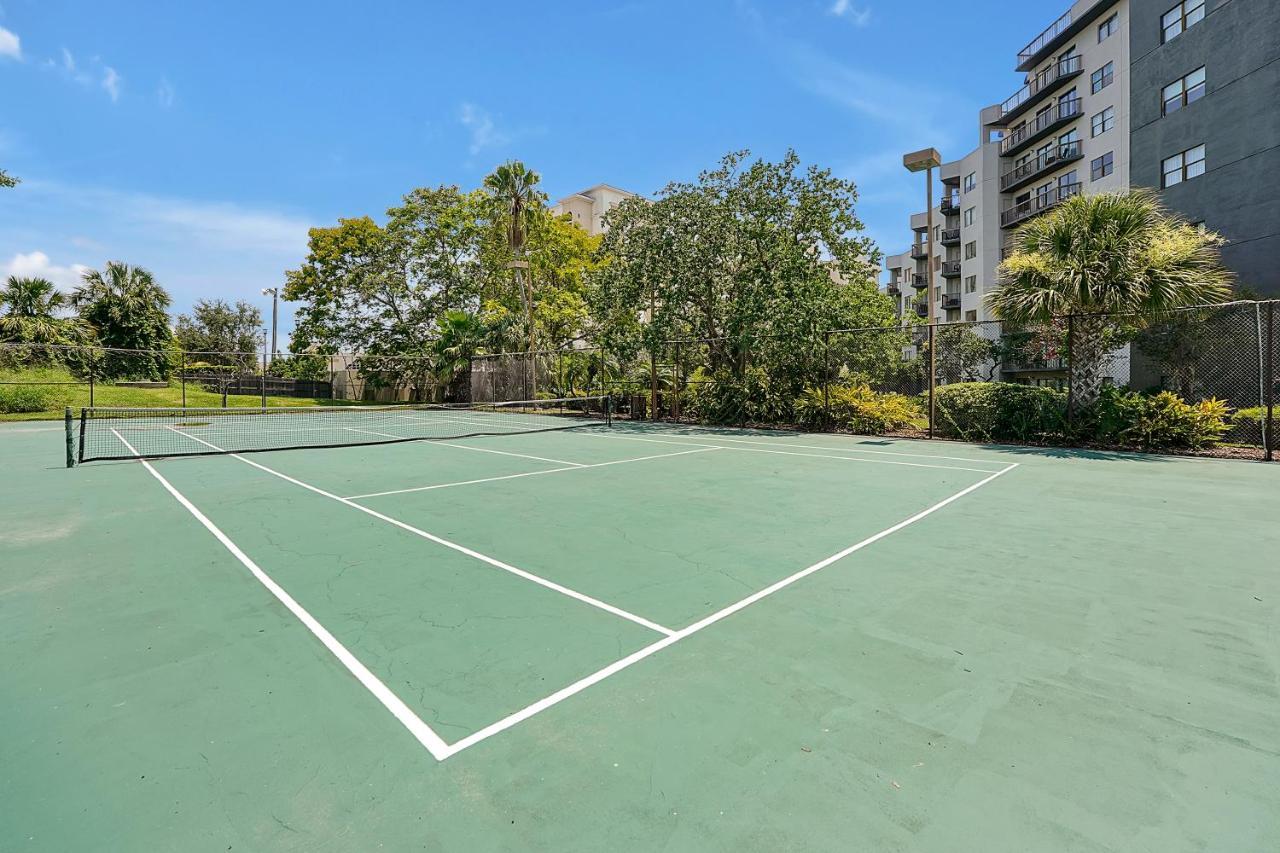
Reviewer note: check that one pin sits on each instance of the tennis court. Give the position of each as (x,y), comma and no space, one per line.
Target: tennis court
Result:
(549,629)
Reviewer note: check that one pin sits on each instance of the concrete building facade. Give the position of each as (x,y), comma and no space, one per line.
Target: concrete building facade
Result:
(1112,96)
(588,207)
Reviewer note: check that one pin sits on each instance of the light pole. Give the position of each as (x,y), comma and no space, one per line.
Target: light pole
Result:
(926,161)
(275,298)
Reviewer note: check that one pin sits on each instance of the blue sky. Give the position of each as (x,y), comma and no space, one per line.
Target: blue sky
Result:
(201,140)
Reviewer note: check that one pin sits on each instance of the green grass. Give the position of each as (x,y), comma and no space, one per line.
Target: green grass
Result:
(53,399)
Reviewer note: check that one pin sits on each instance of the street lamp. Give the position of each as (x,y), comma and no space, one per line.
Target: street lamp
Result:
(926,161)
(275,297)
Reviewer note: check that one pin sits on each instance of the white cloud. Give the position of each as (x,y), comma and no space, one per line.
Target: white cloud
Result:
(10,46)
(111,82)
(165,93)
(845,9)
(37,265)
(484,133)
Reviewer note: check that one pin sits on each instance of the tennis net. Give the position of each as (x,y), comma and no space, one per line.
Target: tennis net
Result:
(114,433)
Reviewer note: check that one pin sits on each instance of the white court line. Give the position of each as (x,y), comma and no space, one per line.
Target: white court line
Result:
(462,549)
(617,666)
(527,474)
(420,730)
(477,449)
(791,453)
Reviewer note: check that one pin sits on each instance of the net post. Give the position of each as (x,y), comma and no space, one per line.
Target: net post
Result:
(264,373)
(84,416)
(608,410)
(1268,436)
(225,383)
(933,378)
(71,440)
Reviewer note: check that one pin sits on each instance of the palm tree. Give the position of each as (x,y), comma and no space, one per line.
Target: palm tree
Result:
(1100,255)
(31,307)
(128,309)
(514,188)
(460,337)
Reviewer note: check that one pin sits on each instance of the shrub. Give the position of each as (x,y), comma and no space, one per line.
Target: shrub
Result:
(1000,411)
(724,398)
(15,399)
(1162,421)
(855,407)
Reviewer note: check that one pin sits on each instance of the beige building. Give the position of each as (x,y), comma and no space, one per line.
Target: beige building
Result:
(588,207)
(1065,131)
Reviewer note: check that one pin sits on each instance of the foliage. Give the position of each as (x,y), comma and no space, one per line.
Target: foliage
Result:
(33,397)
(1161,421)
(308,366)
(725,397)
(220,332)
(1000,411)
(1107,253)
(459,338)
(127,309)
(855,408)
(964,355)
(30,314)
(7,180)
(735,260)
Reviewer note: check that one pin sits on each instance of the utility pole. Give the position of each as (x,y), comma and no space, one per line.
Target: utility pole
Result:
(926,161)
(275,298)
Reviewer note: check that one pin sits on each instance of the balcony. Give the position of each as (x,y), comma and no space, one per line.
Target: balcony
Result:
(951,236)
(951,302)
(1058,33)
(1049,120)
(950,269)
(1006,251)
(1040,85)
(920,251)
(950,204)
(918,281)
(894,290)
(922,310)
(1020,176)
(1028,364)
(1038,204)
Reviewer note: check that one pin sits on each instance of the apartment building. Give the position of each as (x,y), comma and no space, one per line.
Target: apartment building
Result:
(588,207)
(1116,93)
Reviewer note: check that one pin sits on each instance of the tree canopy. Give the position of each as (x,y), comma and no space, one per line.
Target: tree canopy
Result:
(220,332)
(127,309)
(7,180)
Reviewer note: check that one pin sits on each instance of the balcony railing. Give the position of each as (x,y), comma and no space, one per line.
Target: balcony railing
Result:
(1028,171)
(1021,100)
(950,269)
(951,302)
(950,236)
(1040,42)
(918,281)
(1031,363)
(893,290)
(950,203)
(922,309)
(919,250)
(1057,115)
(1038,204)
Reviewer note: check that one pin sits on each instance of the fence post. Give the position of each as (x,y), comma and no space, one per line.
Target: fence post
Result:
(1071,370)
(1268,437)
(264,377)
(933,380)
(91,386)
(826,379)
(225,383)
(182,376)
(676,383)
(653,381)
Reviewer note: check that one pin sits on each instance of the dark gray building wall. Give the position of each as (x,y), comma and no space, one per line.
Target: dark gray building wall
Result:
(1238,121)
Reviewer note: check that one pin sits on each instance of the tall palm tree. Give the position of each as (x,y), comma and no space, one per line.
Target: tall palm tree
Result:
(30,311)
(514,188)
(128,309)
(1105,254)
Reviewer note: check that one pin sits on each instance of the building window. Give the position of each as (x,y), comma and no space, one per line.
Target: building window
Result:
(1101,78)
(971,284)
(1100,167)
(1179,93)
(971,316)
(1182,167)
(1108,27)
(970,181)
(971,249)
(968,216)
(1181,16)
(1103,121)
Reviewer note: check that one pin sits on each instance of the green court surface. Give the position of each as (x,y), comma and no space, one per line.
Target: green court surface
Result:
(638,637)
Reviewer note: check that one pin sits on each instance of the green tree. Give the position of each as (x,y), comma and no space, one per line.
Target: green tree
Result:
(518,210)
(7,180)
(1105,254)
(127,310)
(30,314)
(461,335)
(742,258)
(220,332)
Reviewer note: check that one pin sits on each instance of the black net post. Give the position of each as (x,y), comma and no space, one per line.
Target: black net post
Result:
(1268,440)
(71,440)
(225,383)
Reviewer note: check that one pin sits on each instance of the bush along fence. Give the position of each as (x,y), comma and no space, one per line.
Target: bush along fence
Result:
(1202,378)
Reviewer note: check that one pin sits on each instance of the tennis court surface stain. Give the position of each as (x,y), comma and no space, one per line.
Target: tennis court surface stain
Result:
(606,630)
